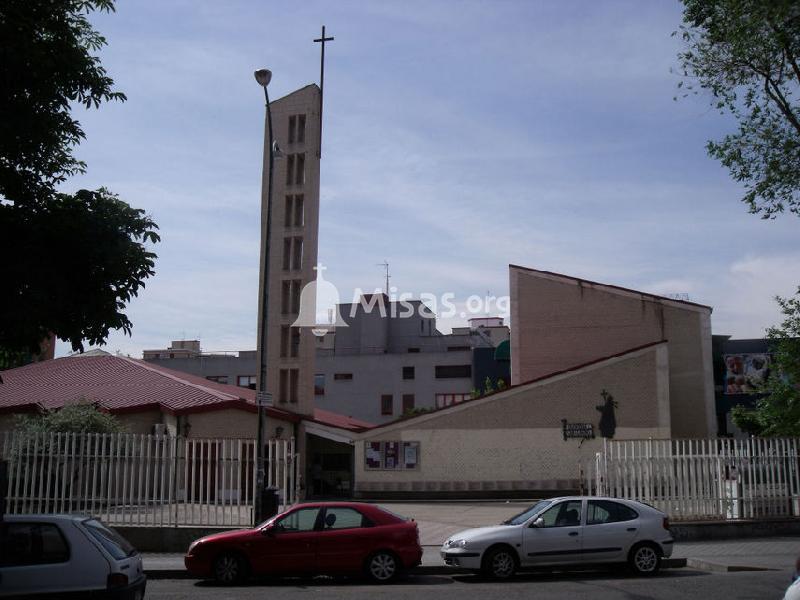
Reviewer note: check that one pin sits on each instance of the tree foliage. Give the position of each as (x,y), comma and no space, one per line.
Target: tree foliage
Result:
(777,413)
(71,261)
(747,54)
(73,418)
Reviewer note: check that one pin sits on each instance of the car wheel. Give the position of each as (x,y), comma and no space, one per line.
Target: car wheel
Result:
(230,569)
(382,567)
(500,563)
(644,559)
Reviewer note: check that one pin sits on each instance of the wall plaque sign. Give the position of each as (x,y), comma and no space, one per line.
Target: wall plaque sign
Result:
(583,431)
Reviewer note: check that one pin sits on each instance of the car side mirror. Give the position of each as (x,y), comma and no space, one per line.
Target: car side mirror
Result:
(539,522)
(270,530)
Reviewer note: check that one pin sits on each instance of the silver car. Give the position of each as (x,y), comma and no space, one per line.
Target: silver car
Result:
(55,555)
(572,530)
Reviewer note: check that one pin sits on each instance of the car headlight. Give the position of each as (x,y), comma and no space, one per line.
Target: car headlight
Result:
(457,543)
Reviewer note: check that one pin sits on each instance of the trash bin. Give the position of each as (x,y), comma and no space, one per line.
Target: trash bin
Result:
(270,502)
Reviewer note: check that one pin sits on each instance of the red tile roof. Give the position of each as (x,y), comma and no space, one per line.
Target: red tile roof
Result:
(325,417)
(120,384)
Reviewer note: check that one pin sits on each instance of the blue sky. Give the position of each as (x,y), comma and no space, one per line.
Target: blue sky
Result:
(459,137)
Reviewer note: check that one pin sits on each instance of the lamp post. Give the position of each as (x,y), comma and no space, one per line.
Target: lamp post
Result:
(263,77)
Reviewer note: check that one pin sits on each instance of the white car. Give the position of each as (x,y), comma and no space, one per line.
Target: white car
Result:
(57,555)
(572,530)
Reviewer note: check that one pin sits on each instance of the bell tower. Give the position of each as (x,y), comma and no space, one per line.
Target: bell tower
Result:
(293,246)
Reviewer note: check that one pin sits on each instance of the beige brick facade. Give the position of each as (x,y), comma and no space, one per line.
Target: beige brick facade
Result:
(560,321)
(513,440)
(293,246)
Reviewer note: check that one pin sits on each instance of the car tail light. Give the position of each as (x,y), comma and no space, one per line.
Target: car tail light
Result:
(117,580)
(665,523)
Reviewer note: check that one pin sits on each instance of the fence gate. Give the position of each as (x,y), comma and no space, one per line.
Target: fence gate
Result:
(146,480)
(717,478)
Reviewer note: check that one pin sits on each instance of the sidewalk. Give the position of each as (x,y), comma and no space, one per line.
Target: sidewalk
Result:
(438,521)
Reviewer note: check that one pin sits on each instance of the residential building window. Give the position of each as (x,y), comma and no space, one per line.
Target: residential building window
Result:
(408,402)
(294,378)
(246,381)
(292,128)
(342,376)
(408,372)
(387,403)
(283,388)
(218,378)
(319,384)
(294,350)
(413,350)
(298,210)
(284,341)
(443,400)
(453,371)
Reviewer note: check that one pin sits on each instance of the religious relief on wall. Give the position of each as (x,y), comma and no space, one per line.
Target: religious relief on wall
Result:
(608,419)
(391,456)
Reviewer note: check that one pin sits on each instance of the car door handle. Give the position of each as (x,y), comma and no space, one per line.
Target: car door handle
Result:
(573,533)
(631,529)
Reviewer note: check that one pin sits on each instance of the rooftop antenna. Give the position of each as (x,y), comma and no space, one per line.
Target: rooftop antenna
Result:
(385,265)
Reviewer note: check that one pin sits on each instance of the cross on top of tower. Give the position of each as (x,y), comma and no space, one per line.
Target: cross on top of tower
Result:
(322,39)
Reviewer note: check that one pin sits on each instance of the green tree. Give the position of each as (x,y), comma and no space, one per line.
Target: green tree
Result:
(747,54)
(74,418)
(71,262)
(777,413)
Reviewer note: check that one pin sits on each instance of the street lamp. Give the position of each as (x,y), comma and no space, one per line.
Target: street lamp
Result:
(263,77)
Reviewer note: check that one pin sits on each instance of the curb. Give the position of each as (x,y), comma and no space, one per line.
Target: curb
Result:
(667,563)
(713,567)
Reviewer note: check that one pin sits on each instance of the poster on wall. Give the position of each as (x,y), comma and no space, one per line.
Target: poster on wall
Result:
(390,458)
(391,455)
(373,455)
(410,455)
(745,373)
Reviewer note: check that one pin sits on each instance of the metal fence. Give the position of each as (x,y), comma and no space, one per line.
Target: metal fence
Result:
(722,479)
(146,480)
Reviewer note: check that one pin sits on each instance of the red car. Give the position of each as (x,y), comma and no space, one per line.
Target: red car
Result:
(308,539)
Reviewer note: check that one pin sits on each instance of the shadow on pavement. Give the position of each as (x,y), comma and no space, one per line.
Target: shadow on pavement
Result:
(595,575)
(323,581)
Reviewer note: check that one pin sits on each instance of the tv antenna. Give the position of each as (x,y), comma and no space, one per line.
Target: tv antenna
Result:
(385,265)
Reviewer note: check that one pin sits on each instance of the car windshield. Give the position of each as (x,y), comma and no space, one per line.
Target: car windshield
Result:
(116,545)
(524,516)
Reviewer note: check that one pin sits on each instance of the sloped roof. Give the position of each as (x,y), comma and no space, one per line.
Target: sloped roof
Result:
(610,287)
(332,419)
(501,393)
(119,384)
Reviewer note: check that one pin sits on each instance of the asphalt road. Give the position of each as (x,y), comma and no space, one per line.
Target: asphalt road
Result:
(683,584)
